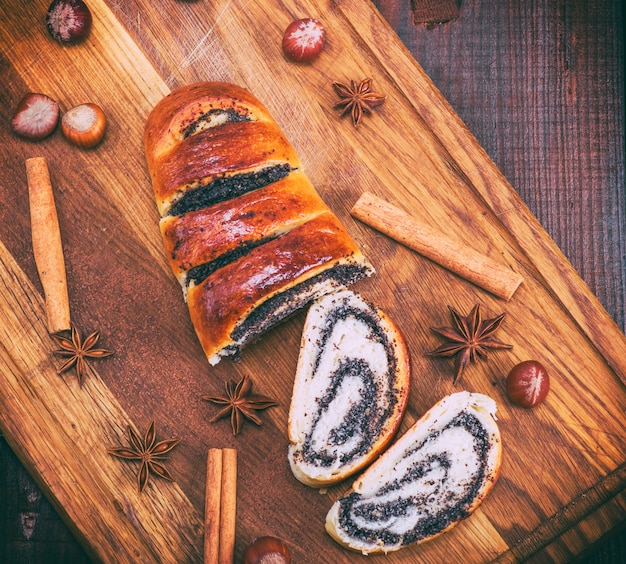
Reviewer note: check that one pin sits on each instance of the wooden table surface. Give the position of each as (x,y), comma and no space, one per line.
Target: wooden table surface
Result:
(540,83)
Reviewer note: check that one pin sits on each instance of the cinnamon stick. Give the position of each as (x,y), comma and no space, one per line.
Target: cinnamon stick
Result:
(212,506)
(452,255)
(220,506)
(228,506)
(47,246)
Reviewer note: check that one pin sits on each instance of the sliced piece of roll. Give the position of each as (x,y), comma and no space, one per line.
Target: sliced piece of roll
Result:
(246,234)
(430,479)
(350,391)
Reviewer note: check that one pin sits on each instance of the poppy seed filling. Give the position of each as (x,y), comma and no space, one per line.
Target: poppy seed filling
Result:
(227,187)
(431,493)
(280,306)
(358,424)
(212,118)
(198,273)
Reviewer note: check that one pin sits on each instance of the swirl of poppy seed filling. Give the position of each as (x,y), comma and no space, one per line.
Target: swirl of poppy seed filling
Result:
(280,306)
(358,396)
(433,487)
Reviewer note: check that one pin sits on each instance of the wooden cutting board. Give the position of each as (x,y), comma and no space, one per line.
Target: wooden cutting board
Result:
(563,474)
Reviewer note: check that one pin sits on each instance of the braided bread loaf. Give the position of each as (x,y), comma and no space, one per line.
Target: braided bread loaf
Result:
(247,235)
(430,479)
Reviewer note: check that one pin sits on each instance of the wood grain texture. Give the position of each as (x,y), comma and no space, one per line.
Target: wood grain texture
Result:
(541,86)
(63,430)
(431,163)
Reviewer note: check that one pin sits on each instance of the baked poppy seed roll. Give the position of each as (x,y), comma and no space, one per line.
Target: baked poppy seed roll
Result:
(430,479)
(350,391)
(246,234)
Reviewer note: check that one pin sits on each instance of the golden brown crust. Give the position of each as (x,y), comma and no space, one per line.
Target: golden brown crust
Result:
(236,147)
(239,206)
(181,158)
(172,116)
(229,295)
(202,236)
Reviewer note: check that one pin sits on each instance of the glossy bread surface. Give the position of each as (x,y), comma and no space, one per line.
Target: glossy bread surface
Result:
(240,220)
(202,236)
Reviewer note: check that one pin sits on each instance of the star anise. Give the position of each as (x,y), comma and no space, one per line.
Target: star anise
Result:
(77,351)
(470,338)
(239,403)
(149,452)
(357,99)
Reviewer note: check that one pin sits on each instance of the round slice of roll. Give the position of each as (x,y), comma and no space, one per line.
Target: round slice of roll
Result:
(350,390)
(430,479)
